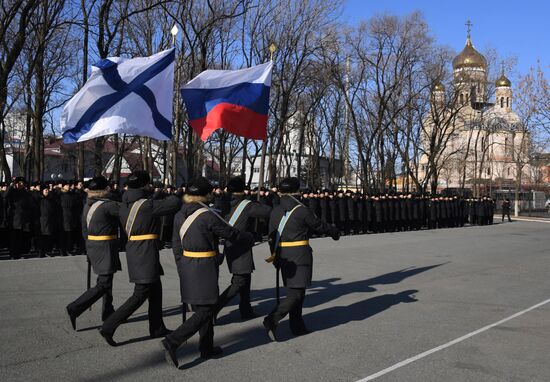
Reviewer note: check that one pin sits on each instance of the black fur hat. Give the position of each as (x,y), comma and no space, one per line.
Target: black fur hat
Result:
(138,179)
(199,187)
(289,185)
(236,184)
(98,183)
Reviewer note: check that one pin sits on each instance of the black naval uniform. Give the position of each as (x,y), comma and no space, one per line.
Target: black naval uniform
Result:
(239,259)
(19,215)
(142,256)
(295,259)
(197,260)
(47,224)
(102,249)
(69,235)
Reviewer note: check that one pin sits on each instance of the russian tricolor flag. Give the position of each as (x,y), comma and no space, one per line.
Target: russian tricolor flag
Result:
(233,100)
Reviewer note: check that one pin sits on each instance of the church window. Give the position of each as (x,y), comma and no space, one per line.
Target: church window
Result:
(462,98)
(508,171)
(507,101)
(488,171)
(506,146)
(467,98)
(501,102)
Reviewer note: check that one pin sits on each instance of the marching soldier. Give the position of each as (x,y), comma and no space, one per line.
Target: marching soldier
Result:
(239,259)
(140,217)
(99,228)
(195,247)
(290,226)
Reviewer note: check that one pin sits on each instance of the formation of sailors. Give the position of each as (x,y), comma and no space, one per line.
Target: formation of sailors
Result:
(360,213)
(46,218)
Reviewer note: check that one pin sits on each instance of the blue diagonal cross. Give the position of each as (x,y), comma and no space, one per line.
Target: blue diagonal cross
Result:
(123,89)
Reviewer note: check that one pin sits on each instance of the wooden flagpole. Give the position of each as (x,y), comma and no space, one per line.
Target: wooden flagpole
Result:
(272,49)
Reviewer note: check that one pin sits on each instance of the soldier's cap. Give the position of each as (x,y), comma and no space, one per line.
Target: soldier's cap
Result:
(138,179)
(18,179)
(158,184)
(98,183)
(289,185)
(199,187)
(236,184)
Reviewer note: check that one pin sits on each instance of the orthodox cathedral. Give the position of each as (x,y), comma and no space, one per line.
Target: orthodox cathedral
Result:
(477,139)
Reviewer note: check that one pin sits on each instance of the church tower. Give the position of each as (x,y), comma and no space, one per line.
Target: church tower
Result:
(470,73)
(438,95)
(503,93)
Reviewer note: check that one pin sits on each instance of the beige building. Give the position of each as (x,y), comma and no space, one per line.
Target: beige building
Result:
(472,138)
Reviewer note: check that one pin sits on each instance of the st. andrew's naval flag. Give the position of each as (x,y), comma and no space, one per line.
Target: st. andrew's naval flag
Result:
(128,96)
(234,100)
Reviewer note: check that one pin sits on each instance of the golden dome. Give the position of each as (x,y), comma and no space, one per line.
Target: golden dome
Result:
(469,58)
(503,81)
(439,87)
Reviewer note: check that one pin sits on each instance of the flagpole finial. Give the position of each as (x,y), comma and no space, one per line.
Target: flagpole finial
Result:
(272,49)
(174,32)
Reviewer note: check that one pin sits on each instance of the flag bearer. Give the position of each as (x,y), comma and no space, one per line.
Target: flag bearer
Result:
(290,227)
(242,216)
(99,229)
(195,245)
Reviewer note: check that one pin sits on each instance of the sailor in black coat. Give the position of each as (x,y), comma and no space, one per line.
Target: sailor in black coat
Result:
(100,230)
(70,207)
(19,216)
(195,247)
(47,222)
(342,212)
(242,215)
(324,206)
(140,217)
(293,254)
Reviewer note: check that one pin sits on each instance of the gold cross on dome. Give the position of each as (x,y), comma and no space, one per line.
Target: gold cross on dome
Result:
(469,25)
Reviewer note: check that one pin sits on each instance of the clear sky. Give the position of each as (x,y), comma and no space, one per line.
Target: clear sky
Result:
(519,28)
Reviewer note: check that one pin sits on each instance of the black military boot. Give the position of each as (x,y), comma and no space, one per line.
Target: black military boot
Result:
(72,318)
(169,351)
(212,352)
(270,328)
(107,337)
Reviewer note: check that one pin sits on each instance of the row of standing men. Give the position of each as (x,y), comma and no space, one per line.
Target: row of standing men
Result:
(46,217)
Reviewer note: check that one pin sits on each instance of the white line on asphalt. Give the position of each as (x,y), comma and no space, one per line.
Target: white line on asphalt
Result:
(449,344)
(533,220)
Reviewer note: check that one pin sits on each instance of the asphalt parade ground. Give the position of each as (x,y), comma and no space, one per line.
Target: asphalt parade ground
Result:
(462,304)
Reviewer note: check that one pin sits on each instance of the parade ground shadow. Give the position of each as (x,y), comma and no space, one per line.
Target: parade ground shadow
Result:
(322,291)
